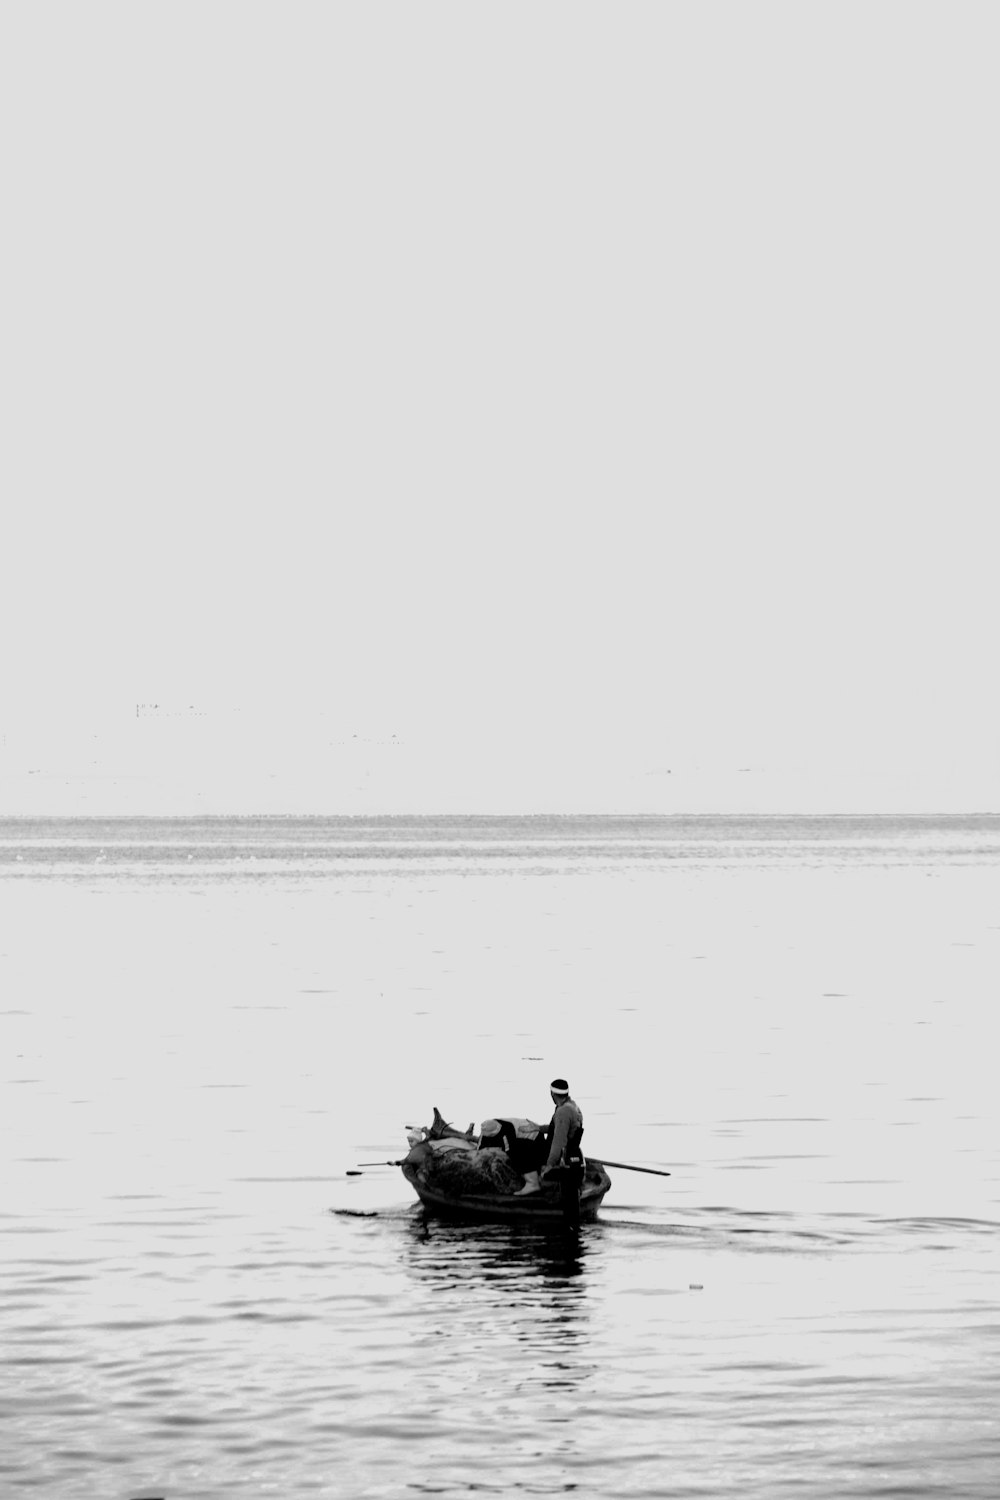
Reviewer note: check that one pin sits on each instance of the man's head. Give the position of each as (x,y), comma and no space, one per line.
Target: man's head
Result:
(559,1089)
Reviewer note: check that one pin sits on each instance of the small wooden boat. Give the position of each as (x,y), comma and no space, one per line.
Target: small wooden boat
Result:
(545,1207)
(468,1195)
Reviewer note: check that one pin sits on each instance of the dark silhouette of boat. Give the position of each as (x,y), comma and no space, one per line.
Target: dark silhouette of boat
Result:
(445,1172)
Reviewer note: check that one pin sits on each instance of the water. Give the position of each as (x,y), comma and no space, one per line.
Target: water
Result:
(206,1024)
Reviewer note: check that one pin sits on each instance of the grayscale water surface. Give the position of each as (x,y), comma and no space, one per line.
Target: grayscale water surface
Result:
(204,1025)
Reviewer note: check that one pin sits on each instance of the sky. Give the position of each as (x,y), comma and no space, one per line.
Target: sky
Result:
(499,407)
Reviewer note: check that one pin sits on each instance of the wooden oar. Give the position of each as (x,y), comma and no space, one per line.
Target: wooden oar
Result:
(623,1166)
(626,1166)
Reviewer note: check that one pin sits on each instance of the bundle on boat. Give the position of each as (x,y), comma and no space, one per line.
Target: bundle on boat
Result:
(454,1165)
(460,1172)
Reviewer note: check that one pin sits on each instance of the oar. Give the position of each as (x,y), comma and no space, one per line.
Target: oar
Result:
(626,1166)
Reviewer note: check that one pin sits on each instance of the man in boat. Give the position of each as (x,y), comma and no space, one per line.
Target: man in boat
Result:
(563,1158)
(523,1142)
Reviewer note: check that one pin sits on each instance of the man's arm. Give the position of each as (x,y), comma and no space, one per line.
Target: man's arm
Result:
(560,1137)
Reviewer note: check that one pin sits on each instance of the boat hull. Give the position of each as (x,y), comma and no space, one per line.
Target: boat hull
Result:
(502,1208)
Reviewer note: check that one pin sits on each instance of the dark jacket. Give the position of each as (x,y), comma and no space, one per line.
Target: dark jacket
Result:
(565,1134)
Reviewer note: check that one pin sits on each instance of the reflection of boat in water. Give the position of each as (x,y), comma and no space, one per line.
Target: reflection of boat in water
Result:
(453,1179)
(527,1283)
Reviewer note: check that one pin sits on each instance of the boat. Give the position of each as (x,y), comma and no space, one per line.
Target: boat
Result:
(545,1207)
(453,1179)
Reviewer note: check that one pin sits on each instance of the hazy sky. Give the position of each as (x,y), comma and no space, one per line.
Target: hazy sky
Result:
(573,392)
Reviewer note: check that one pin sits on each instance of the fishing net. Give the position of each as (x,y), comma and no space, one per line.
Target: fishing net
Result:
(458,1172)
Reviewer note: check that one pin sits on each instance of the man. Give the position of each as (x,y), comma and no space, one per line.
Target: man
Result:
(564,1158)
(522,1140)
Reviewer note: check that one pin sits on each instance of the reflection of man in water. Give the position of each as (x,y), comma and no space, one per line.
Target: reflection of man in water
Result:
(564,1156)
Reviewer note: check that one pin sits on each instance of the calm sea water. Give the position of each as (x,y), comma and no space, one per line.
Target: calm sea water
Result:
(205,1024)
